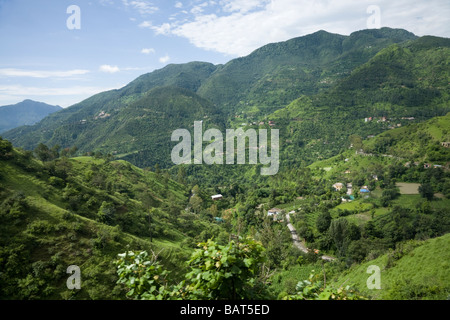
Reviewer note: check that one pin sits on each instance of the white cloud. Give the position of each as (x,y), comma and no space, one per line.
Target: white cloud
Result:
(148,50)
(11,72)
(164,59)
(165,29)
(146,24)
(19,90)
(197,9)
(178,4)
(62,96)
(109,69)
(237,27)
(144,7)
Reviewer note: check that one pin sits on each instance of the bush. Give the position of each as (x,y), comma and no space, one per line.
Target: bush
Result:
(314,289)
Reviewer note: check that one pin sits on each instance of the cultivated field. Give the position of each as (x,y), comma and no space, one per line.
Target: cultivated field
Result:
(408,188)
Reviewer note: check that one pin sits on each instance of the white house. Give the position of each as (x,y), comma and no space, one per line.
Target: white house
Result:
(273,211)
(338,186)
(216,197)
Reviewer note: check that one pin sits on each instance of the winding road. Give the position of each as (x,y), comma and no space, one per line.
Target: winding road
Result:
(297,242)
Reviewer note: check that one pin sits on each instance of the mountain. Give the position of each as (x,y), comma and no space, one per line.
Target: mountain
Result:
(402,83)
(313,87)
(27,112)
(278,73)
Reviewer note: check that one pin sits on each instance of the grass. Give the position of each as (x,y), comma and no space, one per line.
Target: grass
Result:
(408,188)
(413,201)
(284,282)
(418,271)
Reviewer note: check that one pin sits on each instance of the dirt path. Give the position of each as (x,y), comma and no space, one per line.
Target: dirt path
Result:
(296,239)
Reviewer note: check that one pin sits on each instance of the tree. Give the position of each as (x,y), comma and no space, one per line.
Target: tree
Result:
(339,234)
(426,191)
(157,170)
(5,148)
(181,176)
(323,221)
(106,212)
(43,153)
(356,141)
(196,202)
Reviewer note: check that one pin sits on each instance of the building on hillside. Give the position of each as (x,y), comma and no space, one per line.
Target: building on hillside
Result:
(338,186)
(348,199)
(364,190)
(274,212)
(445,144)
(216,197)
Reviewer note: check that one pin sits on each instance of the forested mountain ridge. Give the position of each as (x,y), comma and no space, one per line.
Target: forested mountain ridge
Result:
(27,112)
(278,73)
(183,76)
(267,79)
(401,84)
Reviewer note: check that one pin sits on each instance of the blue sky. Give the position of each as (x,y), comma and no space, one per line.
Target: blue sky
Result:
(42,57)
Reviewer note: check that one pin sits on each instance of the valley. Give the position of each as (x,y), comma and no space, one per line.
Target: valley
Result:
(362,179)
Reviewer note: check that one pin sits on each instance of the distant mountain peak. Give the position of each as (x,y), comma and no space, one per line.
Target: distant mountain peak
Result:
(27,112)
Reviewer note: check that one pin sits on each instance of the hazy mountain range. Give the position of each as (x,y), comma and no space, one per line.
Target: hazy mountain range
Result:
(27,112)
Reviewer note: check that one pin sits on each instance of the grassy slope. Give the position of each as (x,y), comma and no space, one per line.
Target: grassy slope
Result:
(40,236)
(418,270)
(408,139)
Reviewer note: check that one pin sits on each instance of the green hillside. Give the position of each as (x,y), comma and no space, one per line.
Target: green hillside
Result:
(63,127)
(143,126)
(278,73)
(401,84)
(414,270)
(268,79)
(364,153)
(84,211)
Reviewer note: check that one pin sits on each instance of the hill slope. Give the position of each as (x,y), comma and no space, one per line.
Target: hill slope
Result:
(84,211)
(278,73)
(414,270)
(402,82)
(27,112)
(408,76)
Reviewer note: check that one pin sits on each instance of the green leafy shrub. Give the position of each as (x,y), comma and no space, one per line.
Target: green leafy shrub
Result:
(226,271)
(314,289)
(145,278)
